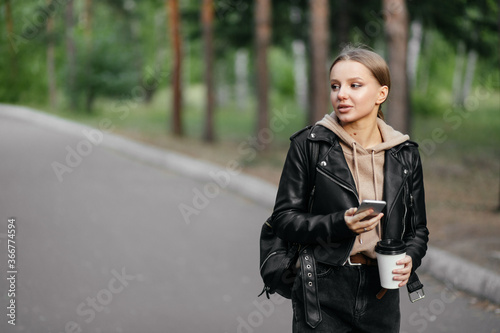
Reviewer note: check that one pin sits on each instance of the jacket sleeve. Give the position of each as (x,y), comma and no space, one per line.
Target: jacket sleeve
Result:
(417,243)
(292,220)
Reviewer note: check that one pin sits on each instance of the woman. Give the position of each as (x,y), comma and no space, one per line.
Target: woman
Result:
(360,157)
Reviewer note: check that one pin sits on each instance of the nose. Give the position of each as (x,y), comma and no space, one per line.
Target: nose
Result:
(342,93)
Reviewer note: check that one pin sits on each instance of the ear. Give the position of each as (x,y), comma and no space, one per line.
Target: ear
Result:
(382,95)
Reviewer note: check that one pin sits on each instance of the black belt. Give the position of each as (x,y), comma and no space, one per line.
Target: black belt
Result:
(310,288)
(360,258)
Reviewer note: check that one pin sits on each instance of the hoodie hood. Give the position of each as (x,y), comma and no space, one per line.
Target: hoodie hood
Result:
(390,137)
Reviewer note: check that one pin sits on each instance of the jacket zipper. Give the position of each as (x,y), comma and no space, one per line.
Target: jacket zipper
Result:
(311,199)
(406,210)
(339,183)
(412,220)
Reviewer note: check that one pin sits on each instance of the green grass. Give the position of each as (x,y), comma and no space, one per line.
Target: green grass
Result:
(472,129)
(233,122)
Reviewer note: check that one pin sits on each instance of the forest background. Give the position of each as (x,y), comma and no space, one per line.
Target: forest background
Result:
(232,79)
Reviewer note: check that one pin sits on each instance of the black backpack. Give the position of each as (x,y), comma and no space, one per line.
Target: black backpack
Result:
(278,257)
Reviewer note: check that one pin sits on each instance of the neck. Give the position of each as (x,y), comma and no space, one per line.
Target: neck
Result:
(365,133)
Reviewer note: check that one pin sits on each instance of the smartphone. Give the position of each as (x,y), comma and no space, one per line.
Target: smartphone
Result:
(376,205)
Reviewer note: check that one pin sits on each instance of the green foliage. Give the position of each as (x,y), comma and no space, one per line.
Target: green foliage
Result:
(22,58)
(130,40)
(281,71)
(108,69)
(463,129)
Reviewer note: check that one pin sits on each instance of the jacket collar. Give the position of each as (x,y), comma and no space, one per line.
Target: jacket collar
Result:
(321,133)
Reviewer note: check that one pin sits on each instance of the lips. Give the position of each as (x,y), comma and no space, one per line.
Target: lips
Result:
(344,108)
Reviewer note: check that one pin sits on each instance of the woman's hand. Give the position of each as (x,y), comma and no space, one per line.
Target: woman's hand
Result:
(403,273)
(357,222)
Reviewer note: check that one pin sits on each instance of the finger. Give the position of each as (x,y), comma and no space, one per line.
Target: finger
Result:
(402,277)
(351,211)
(404,261)
(403,283)
(369,225)
(402,271)
(364,214)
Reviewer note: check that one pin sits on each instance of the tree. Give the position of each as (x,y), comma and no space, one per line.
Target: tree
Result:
(10,32)
(207,18)
(51,74)
(396,28)
(9,22)
(319,55)
(343,23)
(88,22)
(173,15)
(263,37)
(71,54)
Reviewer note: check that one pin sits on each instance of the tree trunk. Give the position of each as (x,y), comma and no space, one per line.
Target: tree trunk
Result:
(300,73)
(457,74)
(343,23)
(263,38)
(498,42)
(241,72)
(175,38)
(71,54)
(13,50)
(396,26)
(469,75)
(51,75)
(319,57)
(414,47)
(498,207)
(88,23)
(10,23)
(207,18)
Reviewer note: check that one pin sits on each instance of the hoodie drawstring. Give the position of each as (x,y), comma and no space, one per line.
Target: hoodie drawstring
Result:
(356,171)
(374,175)
(375,186)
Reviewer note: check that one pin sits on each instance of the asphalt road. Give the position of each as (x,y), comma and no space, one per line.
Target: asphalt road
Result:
(101,245)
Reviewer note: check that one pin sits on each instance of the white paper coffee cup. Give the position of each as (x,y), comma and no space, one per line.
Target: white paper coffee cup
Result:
(389,251)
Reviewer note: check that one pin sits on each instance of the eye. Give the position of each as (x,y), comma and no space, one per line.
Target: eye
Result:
(335,86)
(356,85)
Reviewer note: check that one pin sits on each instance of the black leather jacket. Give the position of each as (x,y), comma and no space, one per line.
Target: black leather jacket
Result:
(314,214)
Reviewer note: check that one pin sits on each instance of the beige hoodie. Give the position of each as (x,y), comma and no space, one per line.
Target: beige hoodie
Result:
(367,168)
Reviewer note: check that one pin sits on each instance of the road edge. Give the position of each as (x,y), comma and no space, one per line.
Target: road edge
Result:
(446,267)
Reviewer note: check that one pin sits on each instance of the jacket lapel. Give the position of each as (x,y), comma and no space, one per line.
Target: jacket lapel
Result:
(395,175)
(333,162)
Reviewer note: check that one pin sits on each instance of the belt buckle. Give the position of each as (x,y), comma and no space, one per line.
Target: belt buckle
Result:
(419,296)
(351,263)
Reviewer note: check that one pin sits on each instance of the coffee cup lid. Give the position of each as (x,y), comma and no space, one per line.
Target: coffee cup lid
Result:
(390,246)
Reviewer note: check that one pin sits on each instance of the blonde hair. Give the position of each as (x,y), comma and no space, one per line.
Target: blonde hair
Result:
(371,60)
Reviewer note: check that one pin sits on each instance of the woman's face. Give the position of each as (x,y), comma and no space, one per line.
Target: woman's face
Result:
(355,92)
